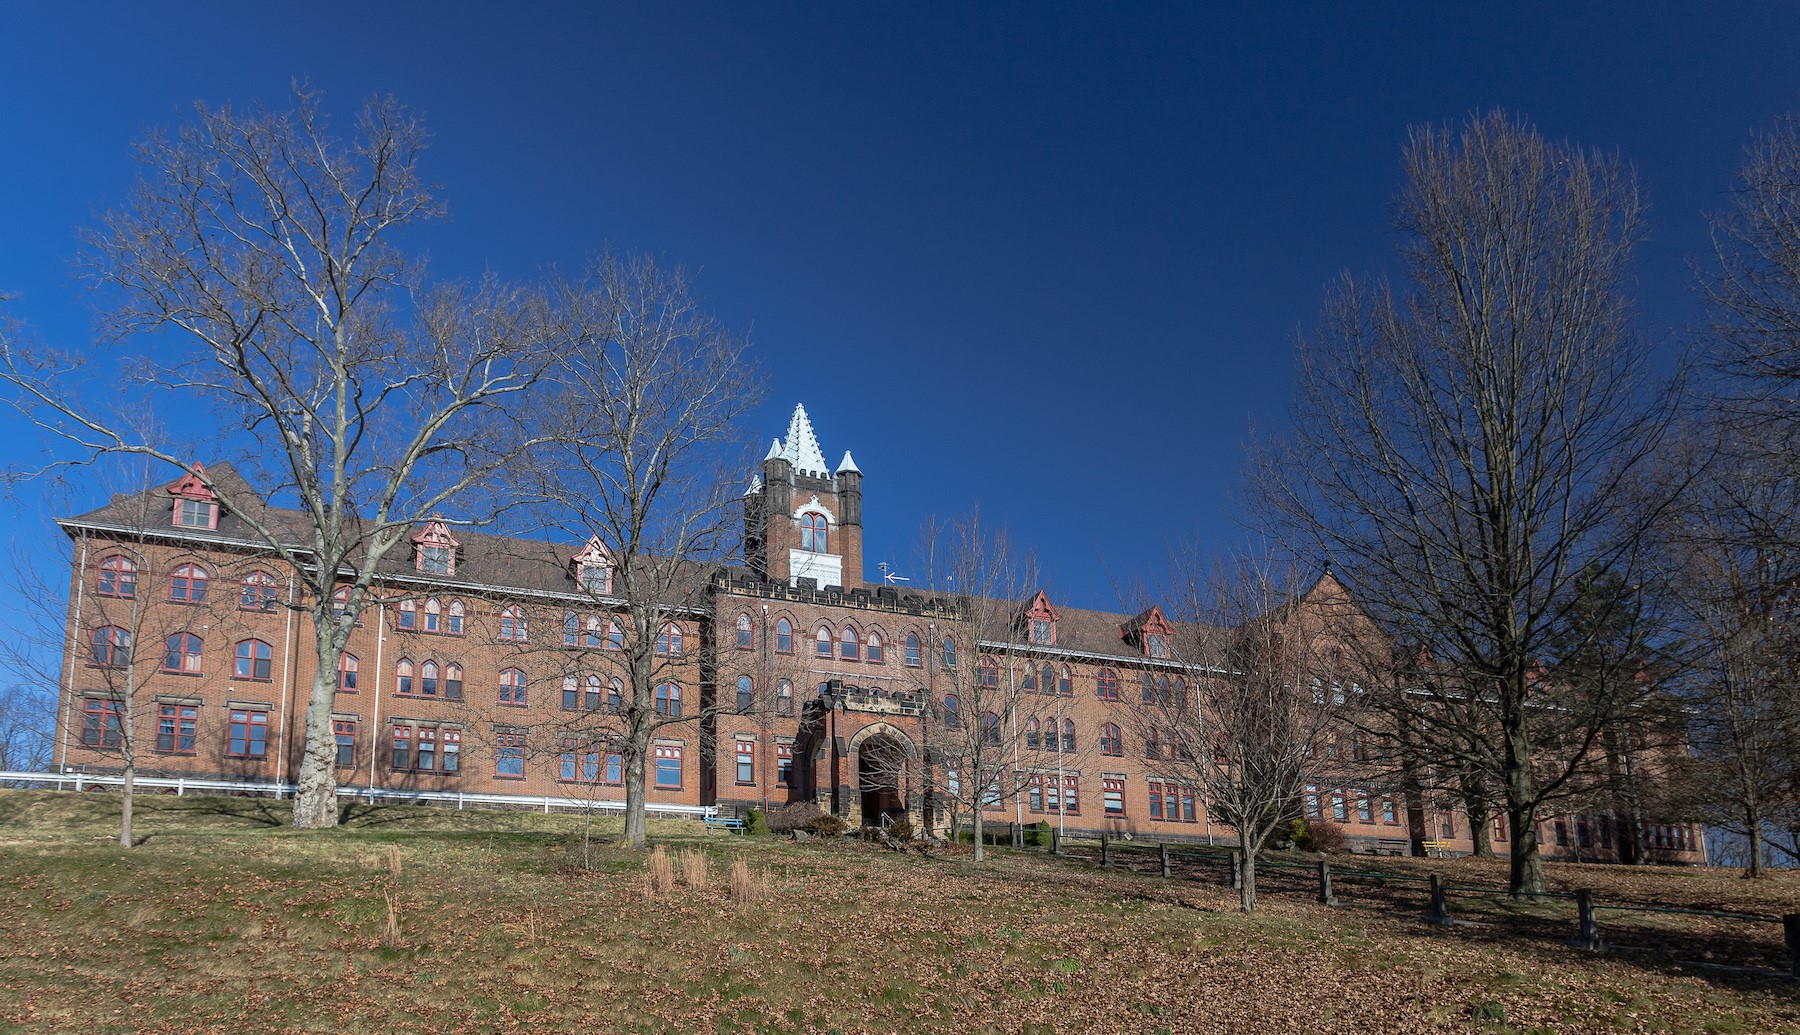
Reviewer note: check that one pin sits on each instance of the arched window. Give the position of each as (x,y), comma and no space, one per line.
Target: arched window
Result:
(668,700)
(112,647)
(512,687)
(1031,735)
(668,641)
(912,650)
(187,584)
(949,652)
(615,636)
(813,533)
(181,653)
(117,577)
(988,674)
(428,677)
(1110,741)
(591,694)
(258,593)
(403,677)
(1106,684)
(990,728)
(408,615)
(1180,693)
(454,625)
(571,690)
(784,698)
(745,640)
(253,660)
(823,638)
(347,672)
(1048,672)
(874,647)
(571,629)
(340,602)
(512,623)
(746,694)
(1028,679)
(592,639)
(952,712)
(848,647)
(615,695)
(433,615)
(453,681)
(1068,735)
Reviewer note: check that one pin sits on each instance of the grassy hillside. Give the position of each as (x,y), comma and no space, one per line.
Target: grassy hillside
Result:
(223,920)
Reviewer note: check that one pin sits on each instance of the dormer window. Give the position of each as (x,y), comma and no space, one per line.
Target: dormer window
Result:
(1040,621)
(196,505)
(1150,632)
(1156,645)
(593,568)
(435,549)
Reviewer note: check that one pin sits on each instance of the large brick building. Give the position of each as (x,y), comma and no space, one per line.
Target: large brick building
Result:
(487,665)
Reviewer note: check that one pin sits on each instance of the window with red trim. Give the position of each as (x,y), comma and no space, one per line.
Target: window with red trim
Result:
(784,636)
(181,653)
(745,634)
(1114,788)
(512,623)
(874,647)
(822,640)
(1106,685)
(248,735)
(746,762)
(668,641)
(668,700)
(1111,742)
(112,647)
(403,676)
(849,647)
(116,577)
(187,584)
(509,756)
(512,688)
(176,728)
(252,660)
(102,723)
(343,733)
(258,592)
(668,767)
(813,529)
(784,765)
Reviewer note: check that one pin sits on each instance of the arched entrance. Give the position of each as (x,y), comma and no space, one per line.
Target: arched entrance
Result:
(883,768)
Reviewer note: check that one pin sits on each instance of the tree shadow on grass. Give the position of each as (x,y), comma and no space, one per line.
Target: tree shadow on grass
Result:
(256,811)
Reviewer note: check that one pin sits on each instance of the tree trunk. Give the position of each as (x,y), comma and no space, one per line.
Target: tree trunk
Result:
(1247,890)
(1475,803)
(977,817)
(1753,828)
(315,802)
(1525,876)
(634,794)
(125,791)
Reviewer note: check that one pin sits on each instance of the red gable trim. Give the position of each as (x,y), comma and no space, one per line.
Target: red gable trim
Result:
(193,486)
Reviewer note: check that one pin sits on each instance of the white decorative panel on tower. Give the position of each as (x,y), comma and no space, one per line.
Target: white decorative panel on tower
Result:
(827,568)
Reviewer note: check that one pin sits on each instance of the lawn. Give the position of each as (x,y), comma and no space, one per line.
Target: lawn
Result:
(223,920)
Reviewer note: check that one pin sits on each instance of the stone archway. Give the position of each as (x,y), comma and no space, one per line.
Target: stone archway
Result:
(884,759)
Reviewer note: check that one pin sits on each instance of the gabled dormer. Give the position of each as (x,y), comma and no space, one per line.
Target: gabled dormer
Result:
(1149,632)
(434,549)
(592,568)
(1038,621)
(196,505)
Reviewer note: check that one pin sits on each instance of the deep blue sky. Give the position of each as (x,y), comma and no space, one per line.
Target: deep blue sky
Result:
(1048,259)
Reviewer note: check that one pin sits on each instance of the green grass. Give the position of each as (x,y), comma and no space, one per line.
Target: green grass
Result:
(222,919)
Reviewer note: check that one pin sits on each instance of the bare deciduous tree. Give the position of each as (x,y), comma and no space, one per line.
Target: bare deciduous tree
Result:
(1466,448)
(1262,694)
(639,430)
(255,278)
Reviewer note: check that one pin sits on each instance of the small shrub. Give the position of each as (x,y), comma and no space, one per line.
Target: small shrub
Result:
(756,823)
(1037,835)
(798,816)
(693,869)
(827,825)
(902,830)
(1488,1011)
(1321,835)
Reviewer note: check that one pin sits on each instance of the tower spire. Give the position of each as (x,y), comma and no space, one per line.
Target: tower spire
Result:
(802,447)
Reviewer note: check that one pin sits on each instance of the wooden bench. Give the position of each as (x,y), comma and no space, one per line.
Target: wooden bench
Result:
(1437,849)
(728,824)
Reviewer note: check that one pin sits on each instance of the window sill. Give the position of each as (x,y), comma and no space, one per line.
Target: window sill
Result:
(189,753)
(252,679)
(660,787)
(247,758)
(513,704)
(186,603)
(178,672)
(507,776)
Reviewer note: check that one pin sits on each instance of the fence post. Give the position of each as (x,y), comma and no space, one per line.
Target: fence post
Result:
(1105,850)
(181,788)
(1588,932)
(1165,858)
(1018,836)
(1055,841)
(1790,926)
(1325,894)
(1237,871)
(1440,904)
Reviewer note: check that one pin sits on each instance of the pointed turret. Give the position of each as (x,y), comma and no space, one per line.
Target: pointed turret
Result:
(847,465)
(802,446)
(803,521)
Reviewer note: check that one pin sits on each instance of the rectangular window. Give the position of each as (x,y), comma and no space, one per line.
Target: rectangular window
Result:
(434,560)
(1312,800)
(1071,794)
(746,761)
(1340,809)
(1114,788)
(570,762)
(1388,815)
(402,747)
(668,767)
(344,732)
(426,753)
(452,741)
(1365,811)
(509,759)
(195,514)
(175,728)
(249,734)
(1156,801)
(1034,794)
(784,765)
(1052,795)
(1562,833)
(615,769)
(1187,805)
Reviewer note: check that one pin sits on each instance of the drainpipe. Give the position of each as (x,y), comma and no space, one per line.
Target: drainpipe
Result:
(375,689)
(287,658)
(65,708)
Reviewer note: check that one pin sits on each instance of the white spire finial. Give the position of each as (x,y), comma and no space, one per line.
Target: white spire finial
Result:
(802,446)
(847,465)
(774,450)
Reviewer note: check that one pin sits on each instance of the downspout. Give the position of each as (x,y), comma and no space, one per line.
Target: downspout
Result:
(375,689)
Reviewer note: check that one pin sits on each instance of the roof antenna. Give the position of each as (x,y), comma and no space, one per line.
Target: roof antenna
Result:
(891,577)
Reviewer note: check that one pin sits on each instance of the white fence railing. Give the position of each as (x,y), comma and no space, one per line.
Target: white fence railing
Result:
(181,785)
